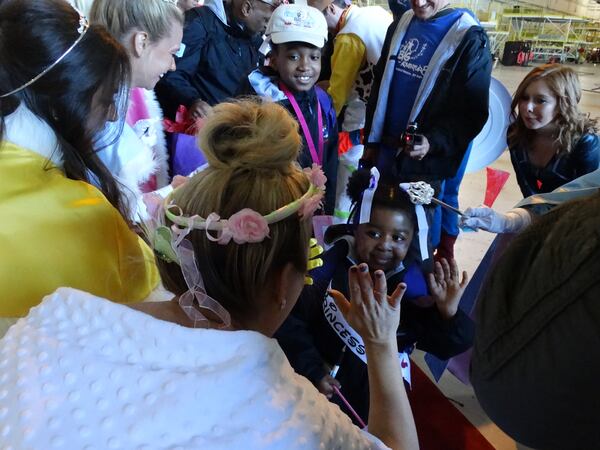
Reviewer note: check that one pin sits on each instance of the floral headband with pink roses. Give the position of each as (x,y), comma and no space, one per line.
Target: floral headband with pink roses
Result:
(244,227)
(247,226)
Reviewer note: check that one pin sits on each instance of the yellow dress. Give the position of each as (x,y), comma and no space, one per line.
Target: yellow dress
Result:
(60,232)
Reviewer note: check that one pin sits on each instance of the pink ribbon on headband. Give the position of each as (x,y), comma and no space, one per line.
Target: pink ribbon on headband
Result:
(196,290)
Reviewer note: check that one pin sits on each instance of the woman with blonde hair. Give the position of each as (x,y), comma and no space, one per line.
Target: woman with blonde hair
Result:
(233,244)
(151,32)
(551,141)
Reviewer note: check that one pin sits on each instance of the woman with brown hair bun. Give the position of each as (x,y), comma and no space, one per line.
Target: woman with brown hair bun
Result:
(233,244)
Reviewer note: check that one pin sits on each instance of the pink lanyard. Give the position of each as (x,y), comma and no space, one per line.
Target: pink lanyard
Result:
(316,157)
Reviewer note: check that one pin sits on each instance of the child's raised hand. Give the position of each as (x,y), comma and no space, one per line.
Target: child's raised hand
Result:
(446,288)
(372,313)
(326,384)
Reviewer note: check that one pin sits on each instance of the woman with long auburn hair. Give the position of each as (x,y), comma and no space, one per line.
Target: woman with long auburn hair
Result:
(551,141)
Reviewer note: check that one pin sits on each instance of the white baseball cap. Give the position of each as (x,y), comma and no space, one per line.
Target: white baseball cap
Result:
(297,23)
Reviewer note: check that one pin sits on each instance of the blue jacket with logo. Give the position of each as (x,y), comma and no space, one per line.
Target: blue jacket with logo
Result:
(455,111)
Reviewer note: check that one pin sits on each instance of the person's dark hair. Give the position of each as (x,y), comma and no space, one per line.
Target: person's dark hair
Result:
(388,194)
(33,35)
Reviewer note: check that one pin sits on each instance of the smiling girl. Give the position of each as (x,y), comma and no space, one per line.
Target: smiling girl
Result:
(315,338)
(551,141)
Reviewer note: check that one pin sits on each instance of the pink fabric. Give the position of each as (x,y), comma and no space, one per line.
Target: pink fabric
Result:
(137,107)
(151,185)
(139,111)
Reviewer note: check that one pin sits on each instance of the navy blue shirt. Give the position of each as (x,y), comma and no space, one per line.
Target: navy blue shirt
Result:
(584,158)
(421,40)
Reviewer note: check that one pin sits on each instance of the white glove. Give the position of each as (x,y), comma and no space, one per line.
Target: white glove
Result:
(487,219)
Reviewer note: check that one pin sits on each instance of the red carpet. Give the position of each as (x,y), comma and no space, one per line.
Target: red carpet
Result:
(440,425)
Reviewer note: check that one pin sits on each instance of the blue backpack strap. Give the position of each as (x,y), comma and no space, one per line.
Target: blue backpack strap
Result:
(327,107)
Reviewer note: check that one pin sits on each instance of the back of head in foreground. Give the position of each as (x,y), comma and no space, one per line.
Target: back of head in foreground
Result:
(243,224)
(535,359)
(60,78)
(251,149)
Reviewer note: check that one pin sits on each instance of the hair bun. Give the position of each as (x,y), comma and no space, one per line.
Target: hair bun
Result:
(358,182)
(250,134)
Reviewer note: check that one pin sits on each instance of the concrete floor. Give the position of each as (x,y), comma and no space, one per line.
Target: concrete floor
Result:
(471,247)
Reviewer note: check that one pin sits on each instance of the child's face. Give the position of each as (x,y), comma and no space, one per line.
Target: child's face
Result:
(299,66)
(384,241)
(538,106)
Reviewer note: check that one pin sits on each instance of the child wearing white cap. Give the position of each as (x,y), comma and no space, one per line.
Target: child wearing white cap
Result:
(295,36)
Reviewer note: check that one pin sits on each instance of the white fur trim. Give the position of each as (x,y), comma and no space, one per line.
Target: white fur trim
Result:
(26,130)
(135,171)
(161,155)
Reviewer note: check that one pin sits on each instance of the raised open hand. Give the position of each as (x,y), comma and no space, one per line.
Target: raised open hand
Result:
(371,312)
(446,287)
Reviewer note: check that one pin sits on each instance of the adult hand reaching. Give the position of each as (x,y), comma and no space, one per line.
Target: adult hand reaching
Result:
(376,316)
(487,219)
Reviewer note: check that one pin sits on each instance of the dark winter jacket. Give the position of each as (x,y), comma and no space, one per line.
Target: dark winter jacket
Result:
(218,54)
(561,169)
(535,366)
